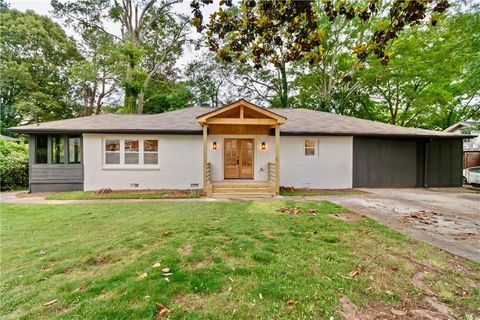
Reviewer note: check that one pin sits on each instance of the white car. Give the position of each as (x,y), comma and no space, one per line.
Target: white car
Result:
(471,175)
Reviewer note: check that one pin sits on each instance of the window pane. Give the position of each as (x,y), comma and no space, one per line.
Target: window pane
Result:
(150,145)
(309,143)
(309,151)
(131,158)
(74,150)
(150,158)
(41,149)
(131,145)
(112,145)
(112,158)
(57,149)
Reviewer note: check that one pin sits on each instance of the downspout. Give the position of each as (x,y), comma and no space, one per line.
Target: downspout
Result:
(425,163)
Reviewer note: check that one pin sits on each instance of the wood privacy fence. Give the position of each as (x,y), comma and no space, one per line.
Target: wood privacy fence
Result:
(471,159)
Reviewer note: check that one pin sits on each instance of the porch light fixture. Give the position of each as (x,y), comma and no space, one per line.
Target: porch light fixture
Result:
(214,145)
(264,145)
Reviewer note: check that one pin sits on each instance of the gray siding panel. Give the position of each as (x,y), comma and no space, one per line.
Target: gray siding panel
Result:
(381,162)
(444,165)
(56,173)
(49,187)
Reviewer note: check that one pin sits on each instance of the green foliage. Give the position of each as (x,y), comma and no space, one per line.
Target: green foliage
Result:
(150,42)
(13,165)
(165,96)
(36,54)
(431,79)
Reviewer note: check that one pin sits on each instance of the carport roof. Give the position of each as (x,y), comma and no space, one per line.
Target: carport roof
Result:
(184,121)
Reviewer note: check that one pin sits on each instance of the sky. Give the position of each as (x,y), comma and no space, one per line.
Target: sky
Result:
(43,7)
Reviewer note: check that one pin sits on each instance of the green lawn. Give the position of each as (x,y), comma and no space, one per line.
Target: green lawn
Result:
(228,260)
(126,194)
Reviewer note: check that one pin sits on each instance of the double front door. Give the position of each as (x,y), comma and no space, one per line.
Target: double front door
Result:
(238,159)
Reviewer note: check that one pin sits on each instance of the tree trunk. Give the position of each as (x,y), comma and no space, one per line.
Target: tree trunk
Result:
(284,87)
(130,99)
(140,102)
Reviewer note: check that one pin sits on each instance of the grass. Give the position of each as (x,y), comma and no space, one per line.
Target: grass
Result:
(319,192)
(126,194)
(229,260)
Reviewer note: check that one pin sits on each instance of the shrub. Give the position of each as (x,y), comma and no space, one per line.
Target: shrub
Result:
(13,165)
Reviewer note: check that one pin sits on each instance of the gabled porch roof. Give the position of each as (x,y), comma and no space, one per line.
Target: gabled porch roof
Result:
(242,112)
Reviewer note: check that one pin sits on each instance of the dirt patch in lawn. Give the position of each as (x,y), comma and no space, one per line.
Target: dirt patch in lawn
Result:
(428,308)
(186,249)
(348,216)
(190,302)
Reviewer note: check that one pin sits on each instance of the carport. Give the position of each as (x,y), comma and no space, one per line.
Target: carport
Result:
(406,162)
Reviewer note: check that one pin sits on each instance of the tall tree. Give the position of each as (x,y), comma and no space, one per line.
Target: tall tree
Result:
(35,57)
(95,77)
(279,32)
(432,79)
(150,39)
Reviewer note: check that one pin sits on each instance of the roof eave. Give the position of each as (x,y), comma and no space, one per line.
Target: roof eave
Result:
(110,131)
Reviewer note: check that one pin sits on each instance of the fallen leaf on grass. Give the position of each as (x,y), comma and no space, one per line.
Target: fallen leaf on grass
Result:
(292,302)
(388,292)
(165,232)
(166,270)
(42,252)
(162,310)
(398,312)
(143,275)
(167,274)
(270,236)
(156,265)
(50,302)
(354,272)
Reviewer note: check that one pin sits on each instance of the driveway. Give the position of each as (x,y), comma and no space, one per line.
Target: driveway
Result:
(448,218)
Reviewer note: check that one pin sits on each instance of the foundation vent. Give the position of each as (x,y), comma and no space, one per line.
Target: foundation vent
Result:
(134,185)
(194,185)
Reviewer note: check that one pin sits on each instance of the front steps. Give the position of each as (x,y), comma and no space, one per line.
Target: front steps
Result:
(239,189)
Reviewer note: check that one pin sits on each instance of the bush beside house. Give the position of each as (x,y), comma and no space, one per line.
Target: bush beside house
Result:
(13,165)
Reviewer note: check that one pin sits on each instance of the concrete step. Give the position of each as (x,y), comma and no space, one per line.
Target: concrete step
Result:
(246,185)
(241,195)
(241,190)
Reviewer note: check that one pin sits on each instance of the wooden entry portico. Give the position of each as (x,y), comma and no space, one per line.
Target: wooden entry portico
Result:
(246,120)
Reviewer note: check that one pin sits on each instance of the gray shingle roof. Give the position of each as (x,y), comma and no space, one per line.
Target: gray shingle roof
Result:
(183,121)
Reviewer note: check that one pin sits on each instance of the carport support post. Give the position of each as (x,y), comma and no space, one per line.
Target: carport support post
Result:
(277,159)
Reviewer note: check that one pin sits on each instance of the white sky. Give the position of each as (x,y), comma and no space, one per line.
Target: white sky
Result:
(43,7)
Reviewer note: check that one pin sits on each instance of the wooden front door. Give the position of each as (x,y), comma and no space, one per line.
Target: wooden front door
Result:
(238,159)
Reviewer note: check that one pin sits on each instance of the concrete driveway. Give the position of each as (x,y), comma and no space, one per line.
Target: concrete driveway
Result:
(448,218)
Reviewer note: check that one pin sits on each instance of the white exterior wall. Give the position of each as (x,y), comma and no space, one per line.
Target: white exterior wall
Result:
(180,164)
(330,168)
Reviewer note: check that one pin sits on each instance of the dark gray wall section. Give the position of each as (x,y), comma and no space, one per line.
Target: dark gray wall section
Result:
(54,187)
(53,177)
(388,162)
(444,163)
(381,162)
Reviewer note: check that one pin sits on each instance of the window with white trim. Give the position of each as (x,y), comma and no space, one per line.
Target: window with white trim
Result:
(150,151)
(112,151)
(130,152)
(310,147)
